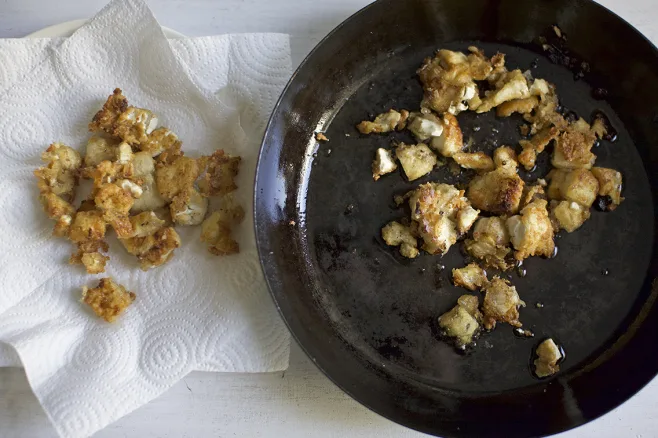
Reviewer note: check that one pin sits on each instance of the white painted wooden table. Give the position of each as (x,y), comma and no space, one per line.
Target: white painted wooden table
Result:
(300,402)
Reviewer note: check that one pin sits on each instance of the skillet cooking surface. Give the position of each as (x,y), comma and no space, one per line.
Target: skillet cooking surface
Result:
(366,315)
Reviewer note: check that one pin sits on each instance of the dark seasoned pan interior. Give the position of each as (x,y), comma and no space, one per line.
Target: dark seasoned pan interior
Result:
(385,305)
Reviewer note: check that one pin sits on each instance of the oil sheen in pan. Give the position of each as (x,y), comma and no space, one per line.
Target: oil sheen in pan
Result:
(384,305)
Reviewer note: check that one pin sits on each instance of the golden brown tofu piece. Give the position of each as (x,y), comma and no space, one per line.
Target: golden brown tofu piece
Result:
(92,246)
(218,173)
(59,210)
(449,80)
(530,193)
(155,249)
(68,158)
(441,213)
(461,322)
(471,277)
(521,106)
(511,86)
(217,233)
(451,139)
(498,191)
(144,171)
(100,149)
(548,356)
(577,185)
(216,230)
(159,141)
(145,224)
(60,174)
(599,128)
(505,156)
(134,125)
(491,230)
(171,179)
(385,122)
(569,215)
(501,304)
(474,160)
(188,207)
(425,126)
(108,172)
(113,200)
(531,232)
(383,163)
(573,147)
(490,242)
(416,160)
(88,226)
(94,262)
(108,300)
(52,179)
(396,234)
(610,185)
(106,118)
(536,145)
(545,114)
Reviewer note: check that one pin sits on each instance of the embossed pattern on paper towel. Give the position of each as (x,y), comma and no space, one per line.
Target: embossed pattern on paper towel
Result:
(196,312)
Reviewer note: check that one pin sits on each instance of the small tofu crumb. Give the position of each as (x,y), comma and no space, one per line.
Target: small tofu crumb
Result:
(461,322)
(385,122)
(531,232)
(216,230)
(471,277)
(108,300)
(474,160)
(501,304)
(417,160)
(396,234)
(548,356)
(319,136)
(610,185)
(383,163)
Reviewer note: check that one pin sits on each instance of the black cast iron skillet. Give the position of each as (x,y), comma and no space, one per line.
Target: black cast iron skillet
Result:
(367,317)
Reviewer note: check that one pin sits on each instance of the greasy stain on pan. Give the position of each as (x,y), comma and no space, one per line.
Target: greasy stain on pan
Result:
(366,316)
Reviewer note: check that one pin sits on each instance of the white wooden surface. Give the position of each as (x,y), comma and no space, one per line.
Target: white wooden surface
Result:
(300,402)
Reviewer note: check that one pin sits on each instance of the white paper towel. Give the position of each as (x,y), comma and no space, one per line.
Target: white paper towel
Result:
(197,312)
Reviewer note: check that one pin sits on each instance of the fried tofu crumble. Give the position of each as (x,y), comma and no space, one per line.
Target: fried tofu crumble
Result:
(531,232)
(440,213)
(396,234)
(142,186)
(490,242)
(501,304)
(471,277)
(108,300)
(610,185)
(521,216)
(498,191)
(475,160)
(416,160)
(216,230)
(385,122)
(548,357)
(218,173)
(172,179)
(462,322)
(383,163)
